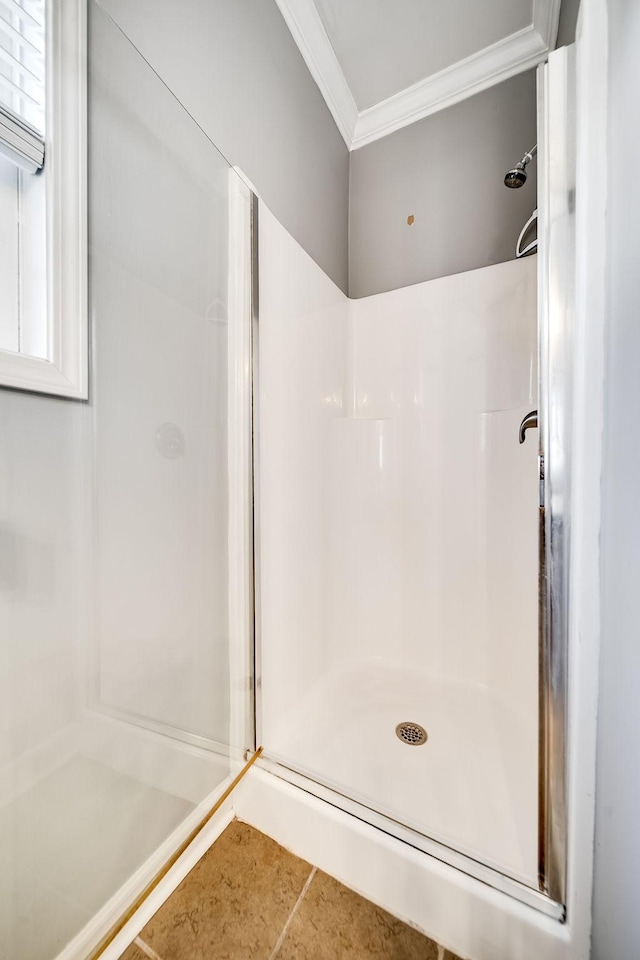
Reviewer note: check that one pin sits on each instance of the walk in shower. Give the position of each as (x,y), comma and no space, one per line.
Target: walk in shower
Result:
(413,578)
(399,519)
(125,532)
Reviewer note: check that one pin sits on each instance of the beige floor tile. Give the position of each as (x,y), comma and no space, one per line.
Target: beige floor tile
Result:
(134,953)
(333,923)
(234,903)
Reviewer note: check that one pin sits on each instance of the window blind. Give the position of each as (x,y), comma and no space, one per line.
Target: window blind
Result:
(22,81)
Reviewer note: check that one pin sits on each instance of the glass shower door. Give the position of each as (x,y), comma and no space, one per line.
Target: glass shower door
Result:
(124,524)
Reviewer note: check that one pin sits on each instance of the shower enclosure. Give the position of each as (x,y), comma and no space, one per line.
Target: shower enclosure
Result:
(413,565)
(125,530)
(399,520)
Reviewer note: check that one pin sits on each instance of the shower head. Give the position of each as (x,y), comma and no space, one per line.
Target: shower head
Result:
(516,177)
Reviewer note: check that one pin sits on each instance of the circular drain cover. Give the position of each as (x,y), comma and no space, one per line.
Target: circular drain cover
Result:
(411,733)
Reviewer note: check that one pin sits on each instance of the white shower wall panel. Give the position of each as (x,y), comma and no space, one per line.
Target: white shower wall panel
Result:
(399,545)
(303,359)
(441,498)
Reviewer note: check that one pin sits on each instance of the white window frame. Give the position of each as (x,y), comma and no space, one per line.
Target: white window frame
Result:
(65,372)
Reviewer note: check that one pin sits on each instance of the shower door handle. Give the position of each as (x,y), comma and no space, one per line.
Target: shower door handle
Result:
(531,420)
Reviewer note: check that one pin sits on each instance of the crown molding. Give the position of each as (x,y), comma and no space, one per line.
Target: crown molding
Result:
(546,16)
(514,54)
(306,28)
(484,69)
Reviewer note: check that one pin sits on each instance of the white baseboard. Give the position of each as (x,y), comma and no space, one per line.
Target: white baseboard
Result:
(455,910)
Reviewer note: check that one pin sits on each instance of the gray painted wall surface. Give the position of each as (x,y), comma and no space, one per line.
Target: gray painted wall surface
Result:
(567,23)
(235,66)
(616,917)
(447,171)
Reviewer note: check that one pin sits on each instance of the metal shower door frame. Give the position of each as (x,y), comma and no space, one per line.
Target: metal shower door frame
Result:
(556,321)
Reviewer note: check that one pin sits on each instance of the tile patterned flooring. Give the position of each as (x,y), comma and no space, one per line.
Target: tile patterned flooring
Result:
(248,897)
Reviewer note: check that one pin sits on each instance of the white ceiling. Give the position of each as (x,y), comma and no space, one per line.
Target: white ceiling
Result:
(382,64)
(385,46)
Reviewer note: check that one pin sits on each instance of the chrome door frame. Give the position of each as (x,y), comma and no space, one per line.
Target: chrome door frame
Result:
(556,320)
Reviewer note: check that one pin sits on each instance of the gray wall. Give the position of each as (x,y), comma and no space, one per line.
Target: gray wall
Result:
(447,171)
(237,69)
(567,23)
(616,917)
(235,66)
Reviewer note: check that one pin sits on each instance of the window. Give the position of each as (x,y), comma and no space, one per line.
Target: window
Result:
(43,267)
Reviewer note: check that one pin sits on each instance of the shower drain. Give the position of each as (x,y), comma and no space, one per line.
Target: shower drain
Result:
(411,733)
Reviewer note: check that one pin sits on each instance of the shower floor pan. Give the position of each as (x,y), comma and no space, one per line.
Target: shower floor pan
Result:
(471,786)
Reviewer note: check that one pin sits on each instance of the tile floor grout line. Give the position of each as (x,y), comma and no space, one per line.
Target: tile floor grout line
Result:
(146,949)
(296,907)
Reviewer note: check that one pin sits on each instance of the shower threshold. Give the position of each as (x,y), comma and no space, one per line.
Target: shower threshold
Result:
(434,848)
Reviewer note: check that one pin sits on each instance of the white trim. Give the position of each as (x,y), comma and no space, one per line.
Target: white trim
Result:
(305,25)
(587,454)
(514,54)
(546,16)
(462,913)
(521,51)
(65,371)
